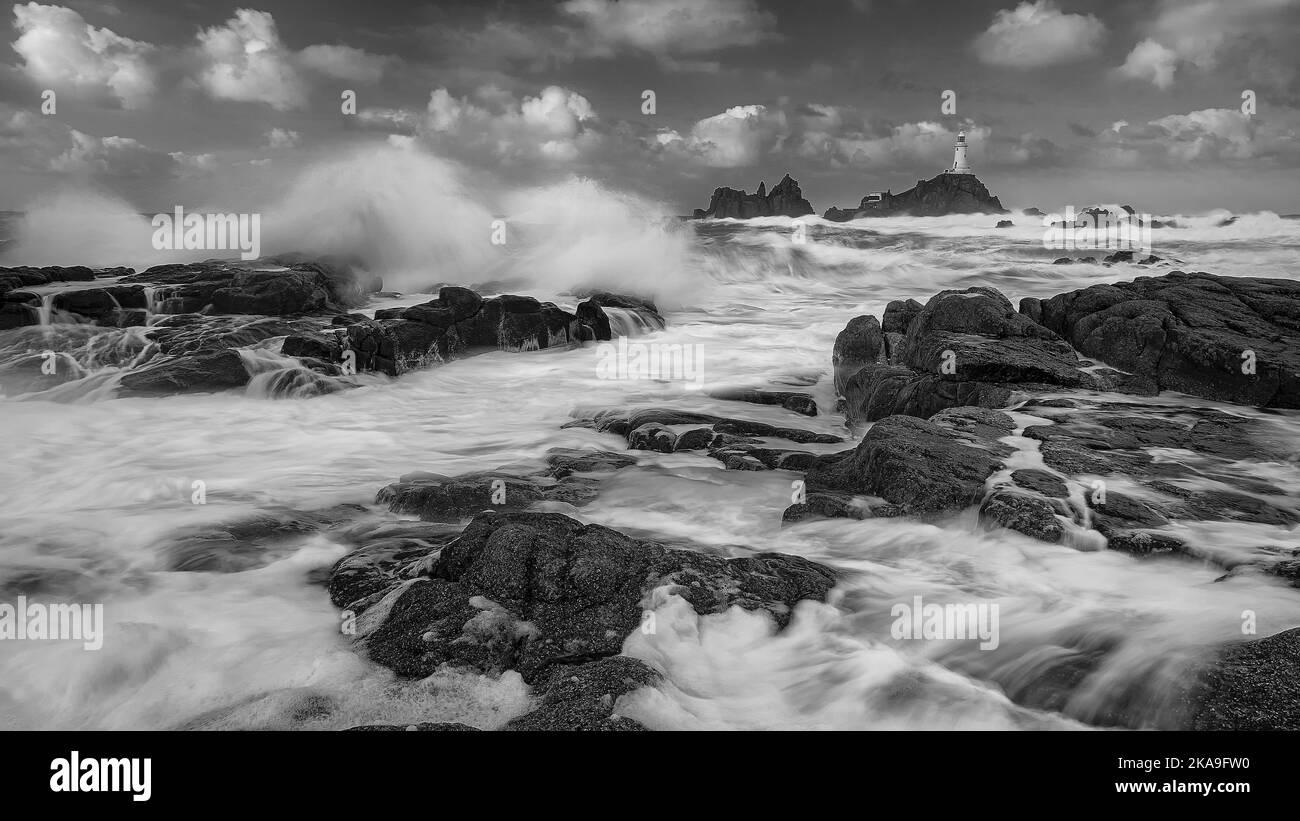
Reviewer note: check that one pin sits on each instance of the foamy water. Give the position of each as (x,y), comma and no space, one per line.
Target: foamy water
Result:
(94,484)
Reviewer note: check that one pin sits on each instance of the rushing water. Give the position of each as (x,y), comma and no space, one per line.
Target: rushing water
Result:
(95,488)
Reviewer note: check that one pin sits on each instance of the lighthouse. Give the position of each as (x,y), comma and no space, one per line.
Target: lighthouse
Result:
(960,165)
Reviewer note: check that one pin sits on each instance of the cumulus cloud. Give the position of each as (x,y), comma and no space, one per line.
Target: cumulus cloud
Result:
(61,51)
(676,33)
(1250,39)
(1039,34)
(556,125)
(111,157)
(1205,137)
(344,63)
(193,165)
(737,137)
(282,138)
(1152,62)
(670,27)
(43,144)
(245,60)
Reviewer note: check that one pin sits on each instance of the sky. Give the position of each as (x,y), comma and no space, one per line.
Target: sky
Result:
(1169,105)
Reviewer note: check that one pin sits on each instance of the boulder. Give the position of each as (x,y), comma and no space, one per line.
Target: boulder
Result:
(918,467)
(183,374)
(531,591)
(1232,339)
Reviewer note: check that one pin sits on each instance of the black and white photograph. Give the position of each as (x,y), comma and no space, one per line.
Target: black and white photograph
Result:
(650,367)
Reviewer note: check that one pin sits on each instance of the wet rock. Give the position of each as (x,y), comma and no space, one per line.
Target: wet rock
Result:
(1118,511)
(745,456)
(965,348)
(244,543)
(800,403)
(205,372)
(1024,513)
(899,315)
(423,726)
(623,421)
(695,439)
(1040,481)
(1145,543)
(652,436)
(274,286)
(921,467)
(570,477)
(860,344)
(582,697)
(591,313)
(564,462)
(1254,685)
(528,591)
(195,333)
(1225,338)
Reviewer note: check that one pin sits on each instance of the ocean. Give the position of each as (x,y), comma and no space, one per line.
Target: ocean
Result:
(99,487)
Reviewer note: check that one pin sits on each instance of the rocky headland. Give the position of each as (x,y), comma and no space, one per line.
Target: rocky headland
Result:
(935,197)
(784,200)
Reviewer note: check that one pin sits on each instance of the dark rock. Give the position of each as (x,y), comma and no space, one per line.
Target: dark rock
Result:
(944,194)
(695,439)
(1024,513)
(582,697)
(784,200)
(1004,224)
(1040,481)
(528,591)
(922,467)
(800,403)
(858,345)
(1144,543)
(623,421)
(244,543)
(198,372)
(423,726)
(652,436)
(899,315)
(1254,685)
(1193,333)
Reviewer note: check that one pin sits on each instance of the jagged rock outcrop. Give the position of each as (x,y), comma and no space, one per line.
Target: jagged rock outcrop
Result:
(967,347)
(944,194)
(1235,339)
(533,591)
(273,286)
(784,200)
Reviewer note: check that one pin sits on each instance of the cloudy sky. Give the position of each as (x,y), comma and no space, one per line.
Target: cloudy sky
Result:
(167,102)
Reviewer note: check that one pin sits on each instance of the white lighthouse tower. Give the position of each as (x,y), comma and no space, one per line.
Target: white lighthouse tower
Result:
(960,165)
